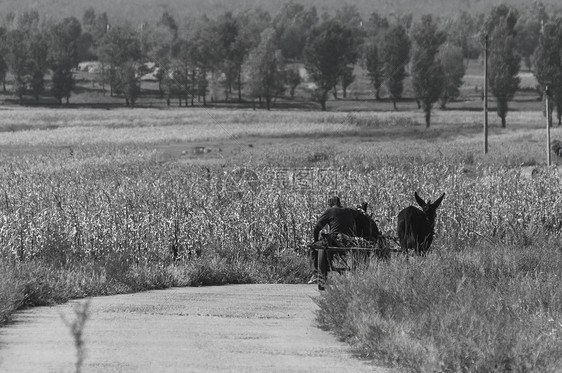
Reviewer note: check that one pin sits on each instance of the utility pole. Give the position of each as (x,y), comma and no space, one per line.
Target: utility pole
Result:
(547,108)
(547,103)
(486,94)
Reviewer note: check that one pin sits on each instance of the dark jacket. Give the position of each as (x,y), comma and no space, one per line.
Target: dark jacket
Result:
(341,220)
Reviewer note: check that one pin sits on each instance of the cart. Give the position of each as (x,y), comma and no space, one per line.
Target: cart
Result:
(349,258)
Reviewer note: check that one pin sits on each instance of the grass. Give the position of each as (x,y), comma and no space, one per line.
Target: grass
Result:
(97,202)
(488,308)
(39,283)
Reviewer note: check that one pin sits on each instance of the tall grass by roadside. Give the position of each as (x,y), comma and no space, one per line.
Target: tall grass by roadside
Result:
(485,308)
(37,283)
(11,292)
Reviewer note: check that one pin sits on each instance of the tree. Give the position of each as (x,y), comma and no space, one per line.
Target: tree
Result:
(395,56)
(89,17)
(196,58)
(329,50)
(347,77)
(185,72)
(85,48)
(293,79)
(233,47)
(34,41)
(63,55)
(528,30)
(3,72)
(504,61)
(28,21)
(164,39)
(373,64)
(462,31)
(266,69)
(252,24)
(26,50)
(38,54)
(376,26)
(204,56)
(169,23)
(548,63)
(428,77)
(504,14)
(3,63)
(85,51)
(120,50)
(451,59)
(18,61)
(128,82)
(160,43)
(349,16)
(95,26)
(63,84)
(292,25)
(169,84)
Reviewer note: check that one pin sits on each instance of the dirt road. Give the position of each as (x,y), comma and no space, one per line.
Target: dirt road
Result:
(235,328)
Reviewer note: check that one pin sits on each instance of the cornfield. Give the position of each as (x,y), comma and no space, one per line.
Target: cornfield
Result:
(152,213)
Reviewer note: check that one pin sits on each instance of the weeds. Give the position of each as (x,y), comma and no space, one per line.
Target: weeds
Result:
(76,327)
(480,309)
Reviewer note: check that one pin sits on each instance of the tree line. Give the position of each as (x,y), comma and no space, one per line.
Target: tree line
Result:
(251,55)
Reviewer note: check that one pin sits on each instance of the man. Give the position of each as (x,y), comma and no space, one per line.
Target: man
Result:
(340,220)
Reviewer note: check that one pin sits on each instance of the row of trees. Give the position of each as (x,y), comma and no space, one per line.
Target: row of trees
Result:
(435,56)
(29,51)
(247,53)
(548,63)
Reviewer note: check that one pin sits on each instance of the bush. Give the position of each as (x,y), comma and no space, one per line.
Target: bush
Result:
(480,309)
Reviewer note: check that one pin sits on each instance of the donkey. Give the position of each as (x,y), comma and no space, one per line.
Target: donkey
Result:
(416,227)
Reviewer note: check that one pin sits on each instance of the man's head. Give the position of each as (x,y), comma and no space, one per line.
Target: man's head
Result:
(334,201)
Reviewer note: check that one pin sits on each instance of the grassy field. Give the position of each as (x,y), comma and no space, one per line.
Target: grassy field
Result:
(106,201)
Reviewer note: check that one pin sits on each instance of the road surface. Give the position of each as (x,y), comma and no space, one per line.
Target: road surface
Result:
(234,328)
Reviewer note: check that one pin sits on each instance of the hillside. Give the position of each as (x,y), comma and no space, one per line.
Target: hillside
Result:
(150,9)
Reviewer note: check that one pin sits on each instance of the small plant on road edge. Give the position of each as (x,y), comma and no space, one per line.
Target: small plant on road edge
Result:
(81,312)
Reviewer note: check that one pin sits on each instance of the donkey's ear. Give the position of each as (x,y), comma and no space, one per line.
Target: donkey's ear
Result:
(420,201)
(364,206)
(437,203)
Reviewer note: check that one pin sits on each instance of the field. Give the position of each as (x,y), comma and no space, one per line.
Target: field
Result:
(100,199)
(106,201)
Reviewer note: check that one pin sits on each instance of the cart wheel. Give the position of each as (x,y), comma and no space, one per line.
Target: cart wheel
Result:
(322,268)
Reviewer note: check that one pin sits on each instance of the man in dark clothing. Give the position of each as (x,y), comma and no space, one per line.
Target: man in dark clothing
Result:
(340,220)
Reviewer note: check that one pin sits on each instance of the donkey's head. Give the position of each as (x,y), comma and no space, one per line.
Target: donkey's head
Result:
(429,208)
